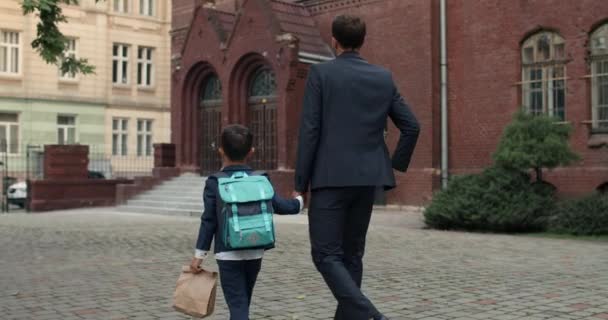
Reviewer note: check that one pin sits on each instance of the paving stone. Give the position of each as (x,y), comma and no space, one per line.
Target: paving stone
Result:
(103,264)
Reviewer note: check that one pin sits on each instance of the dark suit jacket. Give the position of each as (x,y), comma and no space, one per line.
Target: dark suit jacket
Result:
(341,143)
(211,222)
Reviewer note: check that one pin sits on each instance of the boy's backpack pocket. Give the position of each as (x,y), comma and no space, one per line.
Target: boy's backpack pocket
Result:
(246,201)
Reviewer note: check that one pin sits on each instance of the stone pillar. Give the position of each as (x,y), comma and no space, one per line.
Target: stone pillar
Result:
(66,162)
(164,155)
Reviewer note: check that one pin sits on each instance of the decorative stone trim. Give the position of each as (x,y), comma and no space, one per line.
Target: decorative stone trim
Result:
(316,7)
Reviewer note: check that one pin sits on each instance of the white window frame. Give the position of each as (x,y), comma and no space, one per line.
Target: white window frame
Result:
(599,60)
(71,50)
(122,64)
(120,137)
(147,8)
(552,79)
(8,125)
(144,137)
(121,6)
(143,62)
(9,47)
(63,130)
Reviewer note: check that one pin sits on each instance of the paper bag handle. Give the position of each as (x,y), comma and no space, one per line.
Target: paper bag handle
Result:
(186,269)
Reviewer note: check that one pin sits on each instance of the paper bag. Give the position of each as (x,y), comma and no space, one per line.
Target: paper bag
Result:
(195,293)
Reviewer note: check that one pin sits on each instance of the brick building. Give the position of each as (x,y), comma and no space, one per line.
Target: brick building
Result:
(246,61)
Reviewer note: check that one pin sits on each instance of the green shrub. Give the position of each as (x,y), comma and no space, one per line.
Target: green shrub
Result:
(497,200)
(534,142)
(587,216)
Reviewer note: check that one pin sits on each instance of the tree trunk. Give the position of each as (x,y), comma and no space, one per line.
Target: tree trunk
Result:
(539,174)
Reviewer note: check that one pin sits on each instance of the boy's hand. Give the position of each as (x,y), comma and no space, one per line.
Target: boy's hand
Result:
(195,265)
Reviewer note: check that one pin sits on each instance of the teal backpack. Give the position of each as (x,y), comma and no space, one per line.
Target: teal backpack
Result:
(245,208)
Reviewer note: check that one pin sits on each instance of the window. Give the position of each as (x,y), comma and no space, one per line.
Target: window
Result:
(66,129)
(263,84)
(70,52)
(544,74)
(145,67)
(121,6)
(212,92)
(263,118)
(120,64)
(144,138)
(9,133)
(119,136)
(9,52)
(599,78)
(211,122)
(146,7)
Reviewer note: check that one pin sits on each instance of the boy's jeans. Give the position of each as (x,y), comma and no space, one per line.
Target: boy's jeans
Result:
(238,279)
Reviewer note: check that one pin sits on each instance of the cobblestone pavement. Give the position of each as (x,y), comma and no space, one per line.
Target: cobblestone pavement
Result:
(99,264)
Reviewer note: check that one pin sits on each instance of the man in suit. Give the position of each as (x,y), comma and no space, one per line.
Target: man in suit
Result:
(342,158)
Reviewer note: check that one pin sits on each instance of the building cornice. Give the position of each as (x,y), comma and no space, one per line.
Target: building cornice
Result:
(316,7)
(111,103)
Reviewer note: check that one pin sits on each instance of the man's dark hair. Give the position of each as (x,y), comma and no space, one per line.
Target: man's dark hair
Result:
(349,31)
(237,141)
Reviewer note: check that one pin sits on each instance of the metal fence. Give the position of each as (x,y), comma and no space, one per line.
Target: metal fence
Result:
(26,162)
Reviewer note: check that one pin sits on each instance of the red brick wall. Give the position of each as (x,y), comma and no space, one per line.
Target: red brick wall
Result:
(252,37)
(392,42)
(66,162)
(48,195)
(402,36)
(484,67)
(181,16)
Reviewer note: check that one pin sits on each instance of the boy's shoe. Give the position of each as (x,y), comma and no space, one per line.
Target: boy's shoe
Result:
(381,317)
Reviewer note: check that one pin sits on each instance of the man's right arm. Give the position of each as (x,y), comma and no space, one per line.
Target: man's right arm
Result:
(310,131)
(405,120)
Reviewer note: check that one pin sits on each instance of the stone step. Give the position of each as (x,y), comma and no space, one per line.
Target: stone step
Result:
(182,182)
(179,189)
(169,204)
(180,196)
(171,194)
(160,211)
(187,179)
(173,197)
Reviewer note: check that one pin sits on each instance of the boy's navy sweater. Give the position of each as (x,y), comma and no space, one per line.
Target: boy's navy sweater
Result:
(210,220)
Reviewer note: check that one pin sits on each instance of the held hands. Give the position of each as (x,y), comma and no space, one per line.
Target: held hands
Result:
(300,198)
(195,265)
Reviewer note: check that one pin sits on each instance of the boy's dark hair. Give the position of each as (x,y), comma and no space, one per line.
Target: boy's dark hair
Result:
(349,31)
(236,141)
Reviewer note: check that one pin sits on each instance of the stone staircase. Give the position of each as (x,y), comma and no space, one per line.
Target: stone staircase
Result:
(180,196)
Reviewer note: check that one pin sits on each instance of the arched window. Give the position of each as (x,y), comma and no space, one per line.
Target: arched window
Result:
(263,117)
(211,95)
(544,74)
(263,84)
(599,75)
(211,123)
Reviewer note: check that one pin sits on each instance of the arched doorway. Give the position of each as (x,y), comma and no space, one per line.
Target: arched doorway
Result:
(210,123)
(262,114)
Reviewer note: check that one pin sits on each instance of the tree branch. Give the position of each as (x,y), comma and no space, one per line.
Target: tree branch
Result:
(50,42)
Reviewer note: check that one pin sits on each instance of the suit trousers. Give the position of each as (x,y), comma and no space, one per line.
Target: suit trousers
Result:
(338,223)
(238,279)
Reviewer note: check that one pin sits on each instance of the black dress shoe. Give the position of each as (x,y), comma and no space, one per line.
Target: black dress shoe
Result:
(381,318)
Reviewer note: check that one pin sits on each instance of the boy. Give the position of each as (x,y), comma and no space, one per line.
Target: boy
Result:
(238,268)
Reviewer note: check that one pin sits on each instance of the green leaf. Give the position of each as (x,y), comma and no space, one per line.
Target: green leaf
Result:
(50,42)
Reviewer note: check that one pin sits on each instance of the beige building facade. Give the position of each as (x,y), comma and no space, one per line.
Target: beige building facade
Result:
(120,111)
